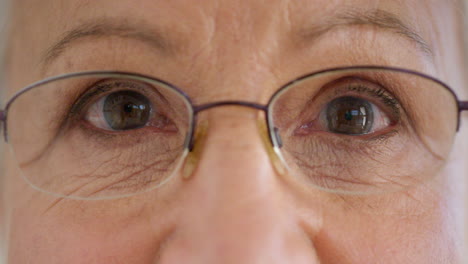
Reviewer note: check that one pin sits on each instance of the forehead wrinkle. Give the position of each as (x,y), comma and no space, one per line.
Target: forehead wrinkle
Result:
(380,19)
(387,20)
(101,28)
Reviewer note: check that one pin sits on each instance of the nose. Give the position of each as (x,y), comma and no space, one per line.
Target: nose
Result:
(236,208)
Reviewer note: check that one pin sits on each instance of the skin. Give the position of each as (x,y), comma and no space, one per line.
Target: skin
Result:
(226,213)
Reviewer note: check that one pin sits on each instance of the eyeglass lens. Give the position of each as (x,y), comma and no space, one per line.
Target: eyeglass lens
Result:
(351,131)
(98,136)
(365,131)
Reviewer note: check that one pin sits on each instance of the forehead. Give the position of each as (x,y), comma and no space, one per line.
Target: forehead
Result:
(222,32)
(236,11)
(236,15)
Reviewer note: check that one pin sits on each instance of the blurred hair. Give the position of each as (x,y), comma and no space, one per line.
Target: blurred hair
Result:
(464,29)
(4,18)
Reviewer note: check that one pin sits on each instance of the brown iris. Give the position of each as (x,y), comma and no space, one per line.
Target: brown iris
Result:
(126,110)
(350,115)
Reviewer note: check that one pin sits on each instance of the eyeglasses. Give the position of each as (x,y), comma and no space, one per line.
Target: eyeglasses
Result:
(351,130)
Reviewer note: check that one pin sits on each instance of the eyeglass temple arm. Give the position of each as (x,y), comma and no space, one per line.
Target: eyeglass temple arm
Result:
(2,118)
(3,124)
(463,105)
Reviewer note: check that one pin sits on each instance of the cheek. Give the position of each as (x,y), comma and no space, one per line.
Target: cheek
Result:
(44,229)
(46,240)
(397,228)
(64,237)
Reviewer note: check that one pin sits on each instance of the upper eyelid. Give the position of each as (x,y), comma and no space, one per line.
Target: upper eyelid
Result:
(386,99)
(83,100)
(388,87)
(98,89)
(382,94)
(358,84)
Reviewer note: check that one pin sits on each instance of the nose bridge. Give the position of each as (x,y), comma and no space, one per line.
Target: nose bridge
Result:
(235,209)
(245,104)
(230,103)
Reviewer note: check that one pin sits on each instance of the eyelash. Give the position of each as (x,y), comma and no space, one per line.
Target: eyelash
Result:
(310,121)
(96,91)
(92,93)
(381,94)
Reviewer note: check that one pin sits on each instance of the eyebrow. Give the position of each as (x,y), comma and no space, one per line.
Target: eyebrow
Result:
(108,28)
(377,18)
(118,28)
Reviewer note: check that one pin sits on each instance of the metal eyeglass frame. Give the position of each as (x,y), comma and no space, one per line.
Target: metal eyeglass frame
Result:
(195,109)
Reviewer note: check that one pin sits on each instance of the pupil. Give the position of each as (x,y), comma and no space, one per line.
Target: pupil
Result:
(126,110)
(350,115)
(129,108)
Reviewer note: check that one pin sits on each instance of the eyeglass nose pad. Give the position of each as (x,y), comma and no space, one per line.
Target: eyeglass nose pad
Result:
(272,151)
(277,137)
(193,156)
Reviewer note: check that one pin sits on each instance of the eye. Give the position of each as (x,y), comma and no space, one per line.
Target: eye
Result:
(353,116)
(353,110)
(124,110)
